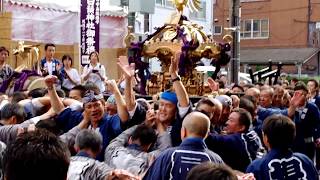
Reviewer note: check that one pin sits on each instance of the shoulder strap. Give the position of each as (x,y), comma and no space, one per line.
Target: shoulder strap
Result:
(43,61)
(7,69)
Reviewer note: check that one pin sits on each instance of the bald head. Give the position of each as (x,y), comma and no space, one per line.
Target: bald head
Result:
(196,124)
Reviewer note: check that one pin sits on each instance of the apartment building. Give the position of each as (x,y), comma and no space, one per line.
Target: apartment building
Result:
(286,31)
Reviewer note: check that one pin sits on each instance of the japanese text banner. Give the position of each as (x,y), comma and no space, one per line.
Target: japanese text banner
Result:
(89,28)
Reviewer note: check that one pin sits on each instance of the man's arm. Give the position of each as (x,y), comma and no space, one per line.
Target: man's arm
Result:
(55,101)
(121,105)
(72,103)
(50,113)
(9,133)
(163,142)
(255,168)
(70,136)
(43,101)
(129,94)
(182,95)
(118,142)
(214,86)
(128,72)
(136,113)
(294,103)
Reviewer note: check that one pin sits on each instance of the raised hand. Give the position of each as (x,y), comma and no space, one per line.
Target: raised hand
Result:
(128,70)
(160,126)
(247,176)
(86,116)
(50,80)
(297,99)
(30,128)
(173,69)
(112,86)
(150,118)
(214,86)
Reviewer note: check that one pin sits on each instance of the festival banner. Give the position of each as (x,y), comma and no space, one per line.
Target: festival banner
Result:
(89,24)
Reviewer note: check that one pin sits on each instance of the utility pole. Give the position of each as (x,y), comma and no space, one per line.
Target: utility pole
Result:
(235,26)
(308,23)
(146,22)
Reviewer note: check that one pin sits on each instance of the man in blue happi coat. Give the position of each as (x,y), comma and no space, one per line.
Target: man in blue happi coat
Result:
(280,162)
(109,126)
(307,121)
(240,146)
(175,163)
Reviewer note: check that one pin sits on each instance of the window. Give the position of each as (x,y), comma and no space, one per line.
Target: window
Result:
(166,3)
(201,14)
(217,30)
(254,29)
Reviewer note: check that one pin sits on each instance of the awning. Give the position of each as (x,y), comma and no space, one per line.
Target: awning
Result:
(69,6)
(288,56)
(43,25)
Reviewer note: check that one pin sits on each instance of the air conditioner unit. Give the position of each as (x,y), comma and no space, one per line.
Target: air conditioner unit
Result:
(317,25)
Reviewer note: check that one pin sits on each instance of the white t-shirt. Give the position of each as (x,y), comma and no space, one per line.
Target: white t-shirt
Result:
(49,67)
(74,75)
(93,77)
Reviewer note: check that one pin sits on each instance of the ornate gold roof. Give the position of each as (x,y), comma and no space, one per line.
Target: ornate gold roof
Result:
(172,37)
(180,34)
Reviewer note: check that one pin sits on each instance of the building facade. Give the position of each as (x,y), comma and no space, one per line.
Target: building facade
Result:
(286,31)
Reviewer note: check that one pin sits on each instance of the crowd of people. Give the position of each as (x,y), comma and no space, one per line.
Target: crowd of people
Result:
(90,127)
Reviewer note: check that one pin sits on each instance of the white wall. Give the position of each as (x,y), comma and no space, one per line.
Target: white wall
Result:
(162,13)
(207,23)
